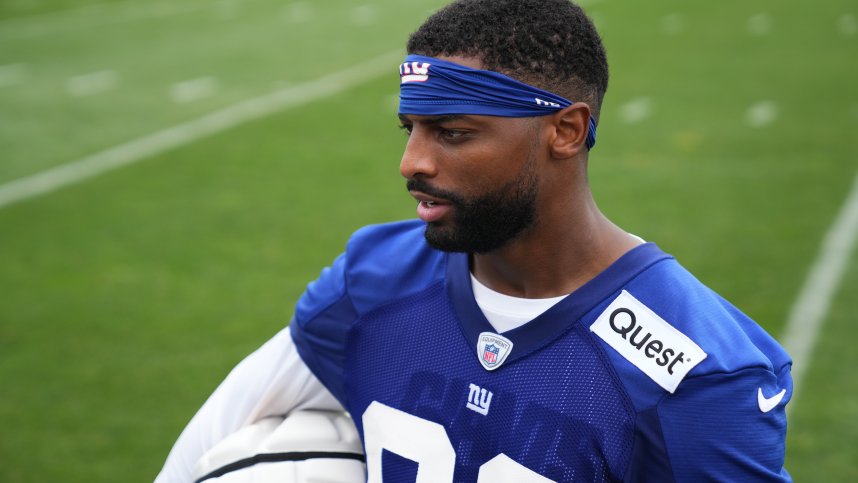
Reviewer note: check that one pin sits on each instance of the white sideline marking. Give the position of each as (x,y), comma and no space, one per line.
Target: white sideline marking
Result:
(193,90)
(89,16)
(161,141)
(761,114)
(91,84)
(672,24)
(820,286)
(227,9)
(299,12)
(847,25)
(11,74)
(364,15)
(636,110)
(760,24)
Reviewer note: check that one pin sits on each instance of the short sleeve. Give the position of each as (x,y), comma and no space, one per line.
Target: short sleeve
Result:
(728,427)
(320,327)
(382,263)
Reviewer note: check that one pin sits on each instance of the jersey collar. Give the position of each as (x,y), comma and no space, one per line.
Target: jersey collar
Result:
(557,320)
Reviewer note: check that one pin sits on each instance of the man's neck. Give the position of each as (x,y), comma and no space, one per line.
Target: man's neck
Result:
(553,259)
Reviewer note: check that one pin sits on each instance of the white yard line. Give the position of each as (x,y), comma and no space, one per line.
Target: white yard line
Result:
(761,114)
(364,15)
(636,110)
(159,142)
(672,24)
(92,83)
(811,308)
(760,24)
(193,90)
(12,74)
(90,16)
(298,12)
(847,25)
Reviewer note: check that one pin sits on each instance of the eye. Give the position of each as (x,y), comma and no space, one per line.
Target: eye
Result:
(406,128)
(452,134)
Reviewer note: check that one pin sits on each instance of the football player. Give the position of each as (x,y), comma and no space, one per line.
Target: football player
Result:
(513,332)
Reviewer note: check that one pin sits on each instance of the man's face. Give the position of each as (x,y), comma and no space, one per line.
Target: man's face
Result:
(475,178)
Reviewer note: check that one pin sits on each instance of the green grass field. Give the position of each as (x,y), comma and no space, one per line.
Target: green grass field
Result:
(728,136)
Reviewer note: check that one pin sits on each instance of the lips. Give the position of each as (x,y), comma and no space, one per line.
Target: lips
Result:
(429,208)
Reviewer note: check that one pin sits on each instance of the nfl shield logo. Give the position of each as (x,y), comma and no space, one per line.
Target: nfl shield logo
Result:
(492,350)
(490,355)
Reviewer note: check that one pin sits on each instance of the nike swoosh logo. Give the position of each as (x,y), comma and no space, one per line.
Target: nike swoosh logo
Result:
(768,403)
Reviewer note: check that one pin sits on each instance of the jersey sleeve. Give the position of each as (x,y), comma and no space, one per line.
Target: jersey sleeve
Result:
(271,381)
(381,264)
(320,326)
(727,427)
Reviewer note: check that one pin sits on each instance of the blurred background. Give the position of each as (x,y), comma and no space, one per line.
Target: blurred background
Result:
(173,174)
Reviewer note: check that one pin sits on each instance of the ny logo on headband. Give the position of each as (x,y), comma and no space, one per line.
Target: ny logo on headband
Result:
(414,72)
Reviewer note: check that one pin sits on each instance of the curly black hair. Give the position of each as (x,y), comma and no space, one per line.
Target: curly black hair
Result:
(550,44)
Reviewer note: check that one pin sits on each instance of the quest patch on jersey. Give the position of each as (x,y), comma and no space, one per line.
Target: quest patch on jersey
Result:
(648,341)
(492,350)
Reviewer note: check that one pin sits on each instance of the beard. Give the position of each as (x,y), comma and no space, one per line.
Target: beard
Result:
(486,222)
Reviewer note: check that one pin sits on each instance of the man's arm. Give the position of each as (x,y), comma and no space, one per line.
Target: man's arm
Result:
(271,381)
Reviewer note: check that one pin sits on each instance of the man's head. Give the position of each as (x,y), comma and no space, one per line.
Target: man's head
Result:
(550,44)
(498,98)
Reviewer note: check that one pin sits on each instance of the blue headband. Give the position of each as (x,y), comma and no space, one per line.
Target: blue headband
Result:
(432,87)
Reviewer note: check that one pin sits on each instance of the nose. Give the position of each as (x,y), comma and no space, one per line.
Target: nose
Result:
(418,160)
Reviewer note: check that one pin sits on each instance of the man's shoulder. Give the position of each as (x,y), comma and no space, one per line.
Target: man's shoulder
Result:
(381,263)
(396,236)
(665,327)
(390,247)
(390,261)
(731,340)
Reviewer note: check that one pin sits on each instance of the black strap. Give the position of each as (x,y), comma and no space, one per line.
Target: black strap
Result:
(279,457)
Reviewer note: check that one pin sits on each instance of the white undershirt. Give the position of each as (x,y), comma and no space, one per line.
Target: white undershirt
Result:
(505,312)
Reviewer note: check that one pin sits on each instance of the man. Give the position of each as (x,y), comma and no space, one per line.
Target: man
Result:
(514,331)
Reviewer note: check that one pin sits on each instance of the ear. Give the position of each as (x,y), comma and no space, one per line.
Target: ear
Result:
(570,131)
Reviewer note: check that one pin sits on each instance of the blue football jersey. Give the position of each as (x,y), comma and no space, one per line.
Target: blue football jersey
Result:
(642,374)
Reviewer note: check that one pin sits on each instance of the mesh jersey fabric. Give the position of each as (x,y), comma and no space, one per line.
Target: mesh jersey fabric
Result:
(393,321)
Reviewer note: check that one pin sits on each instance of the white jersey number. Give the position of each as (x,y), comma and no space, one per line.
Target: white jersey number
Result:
(427,444)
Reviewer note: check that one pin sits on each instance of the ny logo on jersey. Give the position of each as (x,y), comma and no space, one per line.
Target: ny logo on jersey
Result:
(479,399)
(414,72)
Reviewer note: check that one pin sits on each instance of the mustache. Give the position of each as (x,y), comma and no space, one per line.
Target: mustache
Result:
(424,187)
